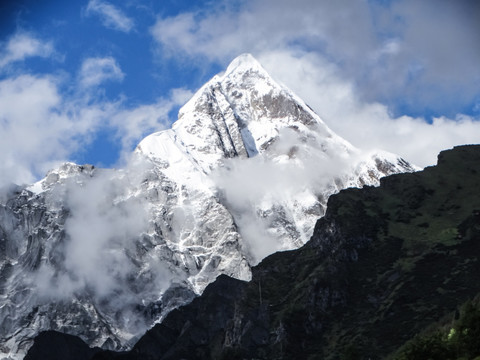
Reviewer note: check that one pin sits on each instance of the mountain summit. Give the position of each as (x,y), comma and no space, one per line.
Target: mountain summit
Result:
(240,113)
(104,254)
(295,161)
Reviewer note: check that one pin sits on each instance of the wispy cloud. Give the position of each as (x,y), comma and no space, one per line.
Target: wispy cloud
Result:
(38,127)
(132,124)
(428,51)
(22,45)
(43,124)
(112,17)
(367,124)
(96,70)
(99,254)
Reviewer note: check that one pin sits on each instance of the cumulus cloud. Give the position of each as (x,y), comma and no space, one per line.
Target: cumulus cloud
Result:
(367,124)
(23,45)
(416,46)
(439,51)
(37,127)
(132,124)
(112,17)
(95,71)
(222,32)
(43,124)
(360,65)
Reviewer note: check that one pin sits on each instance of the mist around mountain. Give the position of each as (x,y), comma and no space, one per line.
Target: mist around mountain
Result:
(104,254)
(389,273)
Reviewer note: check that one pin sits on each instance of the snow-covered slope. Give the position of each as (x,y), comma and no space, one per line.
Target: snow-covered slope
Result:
(295,161)
(103,254)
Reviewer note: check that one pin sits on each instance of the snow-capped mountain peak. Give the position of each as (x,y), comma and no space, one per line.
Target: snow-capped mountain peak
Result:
(246,170)
(240,113)
(244,63)
(241,123)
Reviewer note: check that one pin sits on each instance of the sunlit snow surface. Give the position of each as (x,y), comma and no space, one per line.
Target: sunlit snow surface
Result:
(272,161)
(103,254)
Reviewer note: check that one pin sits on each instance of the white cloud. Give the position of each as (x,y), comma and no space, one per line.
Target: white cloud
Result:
(100,252)
(251,188)
(442,36)
(427,50)
(100,229)
(111,16)
(132,124)
(38,127)
(337,58)
(367,124)
(94,71)
(21,46)
(221,32)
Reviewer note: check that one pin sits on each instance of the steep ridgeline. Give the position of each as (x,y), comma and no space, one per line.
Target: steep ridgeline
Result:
(104,254)
(295,160)
(383,265)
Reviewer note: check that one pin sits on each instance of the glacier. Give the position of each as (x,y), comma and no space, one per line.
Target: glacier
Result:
(104,254)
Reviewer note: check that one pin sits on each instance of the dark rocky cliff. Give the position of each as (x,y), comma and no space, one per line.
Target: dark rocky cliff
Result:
(383,265)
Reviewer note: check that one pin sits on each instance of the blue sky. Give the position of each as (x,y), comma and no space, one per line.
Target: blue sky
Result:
(85,81)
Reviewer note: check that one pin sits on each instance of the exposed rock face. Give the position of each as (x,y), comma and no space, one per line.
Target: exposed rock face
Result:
(104,254)
(383,264)
(244,114)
